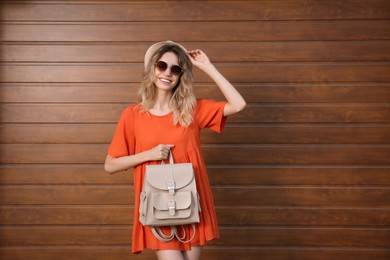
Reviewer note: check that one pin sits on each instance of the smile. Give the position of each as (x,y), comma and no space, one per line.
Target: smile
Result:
(165,80)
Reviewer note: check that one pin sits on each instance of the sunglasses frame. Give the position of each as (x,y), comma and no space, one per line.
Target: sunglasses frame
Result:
(173,68)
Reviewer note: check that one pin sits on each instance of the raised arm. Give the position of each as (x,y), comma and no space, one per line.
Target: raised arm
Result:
(235,102)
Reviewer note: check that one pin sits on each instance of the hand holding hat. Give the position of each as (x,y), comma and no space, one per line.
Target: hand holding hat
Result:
(199,58)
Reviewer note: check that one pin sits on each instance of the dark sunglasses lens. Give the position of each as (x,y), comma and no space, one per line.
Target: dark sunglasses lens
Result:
(161,66)
(176,70)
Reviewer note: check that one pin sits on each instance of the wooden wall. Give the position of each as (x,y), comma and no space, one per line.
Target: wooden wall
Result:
(302,173)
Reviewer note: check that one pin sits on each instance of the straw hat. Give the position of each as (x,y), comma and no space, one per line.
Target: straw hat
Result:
(152,49)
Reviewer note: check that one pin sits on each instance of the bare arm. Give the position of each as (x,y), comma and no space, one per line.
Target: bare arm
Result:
(113,165)
(235,102)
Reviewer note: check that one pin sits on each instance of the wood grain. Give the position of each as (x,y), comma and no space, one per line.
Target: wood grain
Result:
(253,92)
(302,173)
(224,196)
(259,113)
(120,235)
(233,133)
(193,11)
(277,51)
(244,73)
(209,252)
(81,174)
(213,154)
(239,31)
(227,215)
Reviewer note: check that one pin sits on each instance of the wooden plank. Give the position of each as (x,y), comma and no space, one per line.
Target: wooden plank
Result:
(264,113)
(253,93)
(100,252)
(62,174)
(300,216)
(298,175)
(351,237)
(307,237)
(233,133)
(237,216)
(309,51)
(313,253)
(60,93)
(67,195)
(66,215)
(299,134)
(114,73)
(314,196)
(44,174)
(57,133)
(120,11)
(58,113)
(297,154)
(208,253)
(241,73)
(226,196)
(239,31)
(313,113)
(213,154)
(66,235)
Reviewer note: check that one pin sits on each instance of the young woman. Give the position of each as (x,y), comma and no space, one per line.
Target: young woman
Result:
(169,119)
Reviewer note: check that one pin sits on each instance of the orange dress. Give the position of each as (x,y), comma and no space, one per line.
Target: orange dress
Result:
(138,131)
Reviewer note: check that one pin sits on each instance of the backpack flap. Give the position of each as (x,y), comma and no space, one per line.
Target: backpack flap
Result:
(167,206)
(165,175)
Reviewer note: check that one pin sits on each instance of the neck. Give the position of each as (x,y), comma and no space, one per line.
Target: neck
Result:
(162,101)
(161,106)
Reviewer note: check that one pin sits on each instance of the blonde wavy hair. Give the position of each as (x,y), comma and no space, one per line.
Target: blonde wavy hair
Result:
(183,99)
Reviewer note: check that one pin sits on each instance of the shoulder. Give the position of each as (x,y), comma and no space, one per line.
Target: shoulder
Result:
(131,112)
(133,109)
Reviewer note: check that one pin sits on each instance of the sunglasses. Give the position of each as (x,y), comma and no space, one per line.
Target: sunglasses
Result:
(162,66)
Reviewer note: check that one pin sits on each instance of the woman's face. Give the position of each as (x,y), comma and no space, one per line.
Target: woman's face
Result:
(165,79)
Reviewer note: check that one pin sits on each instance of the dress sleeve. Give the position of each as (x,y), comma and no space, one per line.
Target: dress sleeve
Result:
(123,142)
(209,114)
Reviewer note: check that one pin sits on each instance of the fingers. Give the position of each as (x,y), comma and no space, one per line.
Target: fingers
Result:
(194,53)
(197,51)
(163,151)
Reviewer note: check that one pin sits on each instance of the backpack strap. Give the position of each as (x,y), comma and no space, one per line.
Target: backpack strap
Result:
(182,239)
(157,232)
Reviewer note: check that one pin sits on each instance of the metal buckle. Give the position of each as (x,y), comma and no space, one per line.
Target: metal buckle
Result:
(171,186)
(171,207)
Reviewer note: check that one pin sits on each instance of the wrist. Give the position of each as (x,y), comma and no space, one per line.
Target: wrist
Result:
(207,67)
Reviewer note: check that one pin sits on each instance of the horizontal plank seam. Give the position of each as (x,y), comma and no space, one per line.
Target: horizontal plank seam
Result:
(330,20)
(222,227)
(214,166)
(217,64)
(229,186)
(222,146)
(244,207)
(227,126)
(207,247)
(306,248)
(203,85)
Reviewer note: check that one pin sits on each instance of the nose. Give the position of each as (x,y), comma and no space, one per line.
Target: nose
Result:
(168,71)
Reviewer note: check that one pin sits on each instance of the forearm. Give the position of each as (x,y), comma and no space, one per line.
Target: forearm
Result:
(235,102)
(114,165)
(157,153)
